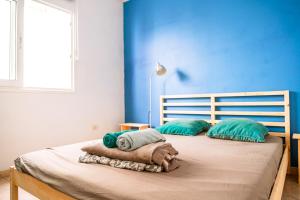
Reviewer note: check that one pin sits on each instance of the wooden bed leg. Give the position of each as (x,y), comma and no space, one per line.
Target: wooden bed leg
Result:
(13,187)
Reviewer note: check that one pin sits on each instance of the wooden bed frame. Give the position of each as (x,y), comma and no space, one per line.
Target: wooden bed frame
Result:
(45,192)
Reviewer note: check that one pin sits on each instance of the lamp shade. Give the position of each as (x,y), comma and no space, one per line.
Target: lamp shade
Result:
(160,69)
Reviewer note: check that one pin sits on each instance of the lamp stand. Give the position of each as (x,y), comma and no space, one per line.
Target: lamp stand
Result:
(150,101)
(159,71)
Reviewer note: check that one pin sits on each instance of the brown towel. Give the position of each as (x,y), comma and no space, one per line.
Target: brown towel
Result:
(165,155)
(159,153)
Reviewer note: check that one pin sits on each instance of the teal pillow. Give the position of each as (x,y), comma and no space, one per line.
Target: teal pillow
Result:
(184,127)
(240,130)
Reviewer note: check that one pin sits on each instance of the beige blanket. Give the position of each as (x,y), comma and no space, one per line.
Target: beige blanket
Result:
(160,153)
(210,169)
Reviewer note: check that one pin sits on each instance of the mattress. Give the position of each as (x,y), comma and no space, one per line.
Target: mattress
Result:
(211,169)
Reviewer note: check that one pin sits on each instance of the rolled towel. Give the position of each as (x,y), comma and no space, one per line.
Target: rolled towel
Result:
(110,139)
(170,165)
(133,140)
(166,156)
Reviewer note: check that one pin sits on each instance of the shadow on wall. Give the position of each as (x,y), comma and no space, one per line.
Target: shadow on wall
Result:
(294,110)
(181,75)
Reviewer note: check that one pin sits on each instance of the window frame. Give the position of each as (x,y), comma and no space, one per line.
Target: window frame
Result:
(16,85)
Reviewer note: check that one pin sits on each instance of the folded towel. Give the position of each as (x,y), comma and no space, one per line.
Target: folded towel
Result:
(110,139)
(160,153)
(132,140)
(135,166)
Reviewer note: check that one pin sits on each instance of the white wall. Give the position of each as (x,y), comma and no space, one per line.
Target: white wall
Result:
(31,121)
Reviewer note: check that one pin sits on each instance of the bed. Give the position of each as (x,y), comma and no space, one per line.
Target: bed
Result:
(210,168)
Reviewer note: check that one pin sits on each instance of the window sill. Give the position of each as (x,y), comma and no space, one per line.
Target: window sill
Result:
(35,90)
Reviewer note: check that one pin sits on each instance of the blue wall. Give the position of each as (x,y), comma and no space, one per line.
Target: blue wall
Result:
(211,46)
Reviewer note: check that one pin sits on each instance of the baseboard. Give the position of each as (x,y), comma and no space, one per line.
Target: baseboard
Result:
(4,173)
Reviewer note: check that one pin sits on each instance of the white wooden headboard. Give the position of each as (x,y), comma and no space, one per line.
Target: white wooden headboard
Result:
(187,102)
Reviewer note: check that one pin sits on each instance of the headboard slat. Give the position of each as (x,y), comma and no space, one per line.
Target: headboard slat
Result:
(237,94)
(273,124)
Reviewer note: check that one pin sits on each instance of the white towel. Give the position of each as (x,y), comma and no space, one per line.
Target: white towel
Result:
(132,140)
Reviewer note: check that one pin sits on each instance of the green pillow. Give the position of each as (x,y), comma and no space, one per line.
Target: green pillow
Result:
(240,130)
(184,127)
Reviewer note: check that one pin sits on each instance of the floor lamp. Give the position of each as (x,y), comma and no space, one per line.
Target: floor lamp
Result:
(160,70)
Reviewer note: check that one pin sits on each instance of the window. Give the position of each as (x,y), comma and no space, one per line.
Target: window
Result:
(45,43)
(7,40)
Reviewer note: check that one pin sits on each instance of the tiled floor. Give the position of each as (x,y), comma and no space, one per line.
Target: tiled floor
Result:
(291,190)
